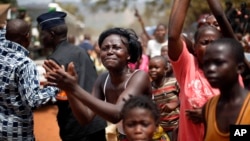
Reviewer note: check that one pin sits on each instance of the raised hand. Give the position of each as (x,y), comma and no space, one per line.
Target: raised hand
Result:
(58,77)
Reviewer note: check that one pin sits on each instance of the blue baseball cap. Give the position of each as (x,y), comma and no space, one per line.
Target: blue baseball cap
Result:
(51,19)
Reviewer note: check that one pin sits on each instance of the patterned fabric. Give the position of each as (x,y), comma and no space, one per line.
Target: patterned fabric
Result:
(167,94)
(2,34)
(19,92)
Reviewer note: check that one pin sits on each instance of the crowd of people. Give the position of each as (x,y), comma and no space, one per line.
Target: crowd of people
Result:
(239,18)
(160,87)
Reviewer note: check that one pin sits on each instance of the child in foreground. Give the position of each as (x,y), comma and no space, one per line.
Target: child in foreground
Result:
(165,90)
(223,62)
(140,119)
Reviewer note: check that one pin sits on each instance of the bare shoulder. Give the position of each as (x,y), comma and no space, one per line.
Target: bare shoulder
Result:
(139,75)
(141,81)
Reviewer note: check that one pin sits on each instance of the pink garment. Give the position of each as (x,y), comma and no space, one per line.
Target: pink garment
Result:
(195,90)
(143,65)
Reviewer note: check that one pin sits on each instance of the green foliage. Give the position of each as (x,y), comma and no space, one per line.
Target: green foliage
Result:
(156,11)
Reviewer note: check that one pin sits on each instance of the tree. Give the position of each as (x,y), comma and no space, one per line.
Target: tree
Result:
(155,11)
(72,9)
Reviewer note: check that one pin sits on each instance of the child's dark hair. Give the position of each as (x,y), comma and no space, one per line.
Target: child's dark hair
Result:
(161,24)
(141,102)
(163,59)
(202,29)
(132,42)
(233,45)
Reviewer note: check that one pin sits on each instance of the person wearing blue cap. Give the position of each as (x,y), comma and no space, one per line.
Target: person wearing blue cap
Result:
(53,31)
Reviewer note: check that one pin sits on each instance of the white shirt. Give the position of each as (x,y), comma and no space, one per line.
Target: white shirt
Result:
(154,47)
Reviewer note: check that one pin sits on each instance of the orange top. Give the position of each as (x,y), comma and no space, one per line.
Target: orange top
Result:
(62,95)
(212,131)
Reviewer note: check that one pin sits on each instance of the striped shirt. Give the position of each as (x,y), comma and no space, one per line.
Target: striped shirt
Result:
(166,94)
(19,92)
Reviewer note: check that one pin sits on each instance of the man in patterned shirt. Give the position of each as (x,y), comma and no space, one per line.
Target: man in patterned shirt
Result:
(19,85)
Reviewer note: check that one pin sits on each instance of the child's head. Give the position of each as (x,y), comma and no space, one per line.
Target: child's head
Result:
(203,37)
(223,62)
(211,20)
(160,32)
(158,67)
(140,118)
(164,51)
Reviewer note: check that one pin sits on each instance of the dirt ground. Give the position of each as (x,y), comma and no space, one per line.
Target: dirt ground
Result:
(45,124)
(46,128)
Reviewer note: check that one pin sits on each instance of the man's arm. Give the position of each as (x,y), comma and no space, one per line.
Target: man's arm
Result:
(29,85)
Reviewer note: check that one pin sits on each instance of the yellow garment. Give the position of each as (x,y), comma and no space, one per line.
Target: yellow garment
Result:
(160,135)
(111,134)
(212,131)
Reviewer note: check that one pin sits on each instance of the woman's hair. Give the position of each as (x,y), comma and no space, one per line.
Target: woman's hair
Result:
(202,29)
(141,102)
(129,38)
(163,59)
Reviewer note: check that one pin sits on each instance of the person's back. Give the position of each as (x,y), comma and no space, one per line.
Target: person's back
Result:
(20,91)
(231,107)
(64,53)
(67,123)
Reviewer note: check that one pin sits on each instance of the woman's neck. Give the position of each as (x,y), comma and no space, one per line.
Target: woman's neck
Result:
(117,76)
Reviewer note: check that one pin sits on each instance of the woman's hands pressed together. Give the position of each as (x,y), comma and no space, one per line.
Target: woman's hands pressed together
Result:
(58,77)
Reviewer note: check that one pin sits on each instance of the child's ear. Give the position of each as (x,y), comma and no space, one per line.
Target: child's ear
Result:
(241,68)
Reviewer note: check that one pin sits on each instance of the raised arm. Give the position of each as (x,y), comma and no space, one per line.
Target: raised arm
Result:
(142,25)
(86,105)
(227,31)
(176,22)
(219,14)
